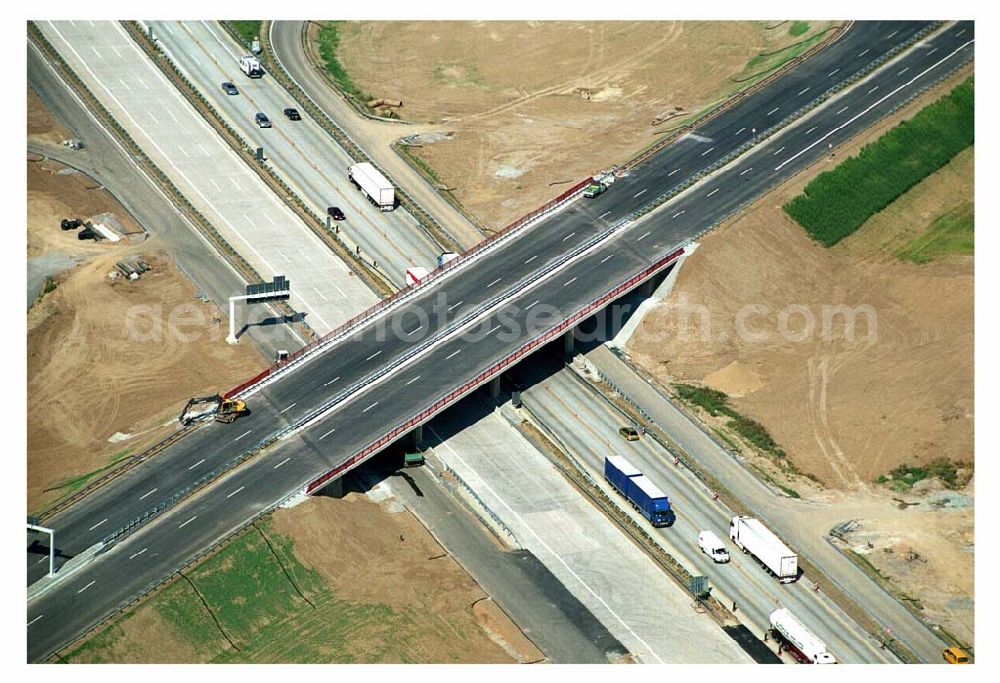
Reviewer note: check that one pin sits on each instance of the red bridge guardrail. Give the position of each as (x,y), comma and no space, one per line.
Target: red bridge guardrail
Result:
(524,350)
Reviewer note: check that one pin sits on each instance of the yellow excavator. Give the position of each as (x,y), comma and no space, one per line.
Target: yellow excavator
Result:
(223,409)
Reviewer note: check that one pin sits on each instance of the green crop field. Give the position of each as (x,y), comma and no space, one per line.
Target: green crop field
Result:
(838,202)
(952,233)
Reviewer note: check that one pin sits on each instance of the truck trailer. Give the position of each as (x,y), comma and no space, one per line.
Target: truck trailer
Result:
(799,641)
(752,537)
(638,489)
(378,190)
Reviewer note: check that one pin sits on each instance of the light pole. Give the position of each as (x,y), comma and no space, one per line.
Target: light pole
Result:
(52,544)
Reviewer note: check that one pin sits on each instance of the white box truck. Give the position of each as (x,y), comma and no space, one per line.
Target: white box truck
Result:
(378,190)
(800,641)
(752,537)
(250,65)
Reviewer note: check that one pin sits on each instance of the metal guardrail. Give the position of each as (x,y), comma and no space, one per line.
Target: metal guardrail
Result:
(482,503)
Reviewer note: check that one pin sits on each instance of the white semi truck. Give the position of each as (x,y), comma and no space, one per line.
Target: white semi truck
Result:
(752,537)
(250,65)
(799,640)
(368,179)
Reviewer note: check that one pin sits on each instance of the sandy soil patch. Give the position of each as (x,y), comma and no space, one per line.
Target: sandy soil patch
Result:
(845,410)
(405,568)
(88,376)
(536,105)
(42,127)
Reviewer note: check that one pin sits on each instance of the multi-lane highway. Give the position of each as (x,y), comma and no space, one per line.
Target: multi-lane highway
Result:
(312,163)
(423,373)
(589,429)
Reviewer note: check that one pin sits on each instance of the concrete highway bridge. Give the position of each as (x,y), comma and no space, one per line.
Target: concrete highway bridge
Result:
(381,376)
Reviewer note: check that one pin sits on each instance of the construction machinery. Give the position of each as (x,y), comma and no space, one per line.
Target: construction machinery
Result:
(223,409)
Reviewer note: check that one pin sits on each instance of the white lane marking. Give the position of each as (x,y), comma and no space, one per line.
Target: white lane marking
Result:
(892,34)
(929,53)
(149,493)
(98,524)
(841,111)
(782,149)
(144,85)
(235,492)
(531,304)
(643,237)
(418,377)
(960,33)
(242,435)
(569,282)
(640,192)
(124,85)
(135,555)
(488,333)
(323,296)
(235,184)
(874,104)
(491,284)
(803,91)
(606,258)
(179,148)
(268,217)
(531,259)
(196,464)
(903,71)
(744,172)
(35,619)
(188,522)
(117,53)
(86,587)
(673,172)
(872,90)
(833,72)
(549,549)
(331,381)
(603,215)
(373,355)
(678,213)
(741,130)
(370,407)
(327,434)
(711,193)
(811,129)
(288,408)
(772,111)
(212,180)
(455,305)
(200,146)
(574,232)
(866,51)
(707,151)
(453,354)
(415,329)
(280,463)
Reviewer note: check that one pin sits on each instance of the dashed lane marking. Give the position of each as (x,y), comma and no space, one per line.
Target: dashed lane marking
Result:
(413,380)
(149,493)
(135,555)
(489,285)
(780,150)
(531,304)
(336,378)
(569,235)
(803,91)
(370,407)
(280,463)
(35,619)
(741,130)
(187,522)
(288,408)
(645,235)
(678,213)
(811,129)
(98,524)
(712,192)
(773,110)
(196,464)
(327,434)
(531,259)
(745,171)
(235,492)
(86,587)
(569,282)
(842,110)
(707,151)
(376,353)
(606,258)
(242,435)
(673,172)
(643,191)
(866,51)
(832,73)
(453,354)
(603,215)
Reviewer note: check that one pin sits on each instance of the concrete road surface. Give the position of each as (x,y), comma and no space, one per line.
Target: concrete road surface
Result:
(301,152)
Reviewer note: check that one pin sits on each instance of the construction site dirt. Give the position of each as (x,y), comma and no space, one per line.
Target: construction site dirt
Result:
(844,411)
(509,114)
(110,360)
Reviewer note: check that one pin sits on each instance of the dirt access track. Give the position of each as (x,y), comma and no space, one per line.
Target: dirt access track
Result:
(110,362)
(514,112)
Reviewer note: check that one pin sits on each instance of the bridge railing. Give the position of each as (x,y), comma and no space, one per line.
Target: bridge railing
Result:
(496,368)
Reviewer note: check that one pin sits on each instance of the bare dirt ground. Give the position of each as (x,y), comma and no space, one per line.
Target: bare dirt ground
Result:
(41,125)
(385,592)
(88,377)
(845,411)
(528,108)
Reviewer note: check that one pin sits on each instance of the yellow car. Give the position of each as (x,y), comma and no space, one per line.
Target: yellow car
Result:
(955,655)
(629,433)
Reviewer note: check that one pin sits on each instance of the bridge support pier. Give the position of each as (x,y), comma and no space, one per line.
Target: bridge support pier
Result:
(569,344)
(335,489)
(495,387)
(417,436)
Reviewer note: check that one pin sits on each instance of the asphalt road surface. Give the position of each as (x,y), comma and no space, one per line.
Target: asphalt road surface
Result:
(419,380)
(300,151)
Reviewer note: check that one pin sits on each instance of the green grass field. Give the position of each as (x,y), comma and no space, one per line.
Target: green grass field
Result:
(951,234)
(838,202)
(248,30)
(716,403)
(329,41)
(798,28)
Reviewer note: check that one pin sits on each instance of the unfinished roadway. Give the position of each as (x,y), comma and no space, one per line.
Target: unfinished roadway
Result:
(301,456)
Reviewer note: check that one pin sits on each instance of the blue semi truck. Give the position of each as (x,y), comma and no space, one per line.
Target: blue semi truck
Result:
(639,490)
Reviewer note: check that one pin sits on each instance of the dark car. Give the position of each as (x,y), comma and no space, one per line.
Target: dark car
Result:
(335,213)
(230,89)
(293,114)
(262,120)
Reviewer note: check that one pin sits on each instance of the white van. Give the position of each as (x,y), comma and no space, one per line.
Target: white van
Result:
(712,546)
